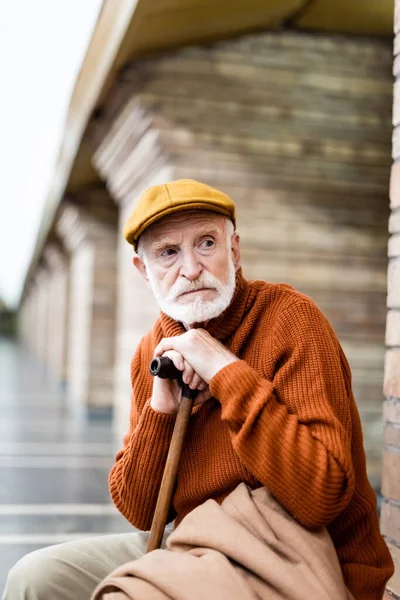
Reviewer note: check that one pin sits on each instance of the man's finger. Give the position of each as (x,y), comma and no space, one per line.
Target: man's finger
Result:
(196,382)
(202,397)
(176,358)
(165,345)
(188,373)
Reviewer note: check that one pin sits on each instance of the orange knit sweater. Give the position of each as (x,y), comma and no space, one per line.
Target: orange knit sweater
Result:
(283,416)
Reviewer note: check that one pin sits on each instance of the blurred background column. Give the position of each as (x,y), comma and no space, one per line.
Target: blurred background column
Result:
(32,316)
(25,319)
(390,515)
(42,280)
(57,326)
(87,226)
(32,324)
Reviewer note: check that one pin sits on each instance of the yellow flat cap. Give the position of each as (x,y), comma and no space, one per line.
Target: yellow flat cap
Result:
(162,200)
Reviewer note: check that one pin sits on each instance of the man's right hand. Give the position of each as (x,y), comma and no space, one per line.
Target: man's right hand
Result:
(166,392)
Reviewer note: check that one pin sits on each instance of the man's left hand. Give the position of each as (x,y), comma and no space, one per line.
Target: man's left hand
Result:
(204,354)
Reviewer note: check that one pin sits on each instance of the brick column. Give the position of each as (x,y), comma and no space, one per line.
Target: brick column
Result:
(390,515)
(89,235)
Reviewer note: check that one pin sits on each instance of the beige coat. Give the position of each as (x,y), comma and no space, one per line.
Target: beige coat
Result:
(247,548)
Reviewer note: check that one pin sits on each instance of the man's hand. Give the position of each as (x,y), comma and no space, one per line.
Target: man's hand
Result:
(166,392)
(204,355)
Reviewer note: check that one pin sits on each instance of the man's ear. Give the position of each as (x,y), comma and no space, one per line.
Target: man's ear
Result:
(235,247)
(141,267)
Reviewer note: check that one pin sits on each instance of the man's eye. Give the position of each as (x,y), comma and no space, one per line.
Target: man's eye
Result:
(207,244)
(168,252)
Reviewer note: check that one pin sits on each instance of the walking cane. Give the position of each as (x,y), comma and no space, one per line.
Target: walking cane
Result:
(164,367)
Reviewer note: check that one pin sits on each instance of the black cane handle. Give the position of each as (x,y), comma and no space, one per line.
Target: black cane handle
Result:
(164,367)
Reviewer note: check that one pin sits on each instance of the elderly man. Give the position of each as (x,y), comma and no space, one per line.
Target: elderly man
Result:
(274,409)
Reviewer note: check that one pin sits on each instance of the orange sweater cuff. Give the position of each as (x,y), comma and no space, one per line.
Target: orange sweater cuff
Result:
(152,419)
(136,476)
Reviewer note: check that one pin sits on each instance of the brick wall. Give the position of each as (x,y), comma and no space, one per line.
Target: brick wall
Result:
(390,516)
(296,128)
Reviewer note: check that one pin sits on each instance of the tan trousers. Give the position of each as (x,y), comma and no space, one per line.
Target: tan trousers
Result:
(73,570)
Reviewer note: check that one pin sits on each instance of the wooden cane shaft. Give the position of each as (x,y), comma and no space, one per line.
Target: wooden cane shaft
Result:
(170,472)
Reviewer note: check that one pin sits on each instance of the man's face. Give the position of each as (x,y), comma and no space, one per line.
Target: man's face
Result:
(190,259)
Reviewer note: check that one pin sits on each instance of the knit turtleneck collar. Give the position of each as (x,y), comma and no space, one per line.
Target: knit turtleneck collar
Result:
(227,323)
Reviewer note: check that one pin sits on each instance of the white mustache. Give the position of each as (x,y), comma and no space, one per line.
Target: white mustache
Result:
(204,281)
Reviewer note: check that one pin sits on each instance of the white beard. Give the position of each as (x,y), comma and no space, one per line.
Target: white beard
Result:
(199,310)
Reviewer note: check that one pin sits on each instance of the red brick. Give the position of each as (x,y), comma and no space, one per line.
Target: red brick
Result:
(393,298)
(390,474)
(390,520)
(395,186)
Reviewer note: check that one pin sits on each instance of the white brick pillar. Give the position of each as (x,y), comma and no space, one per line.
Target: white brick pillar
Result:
(91,243)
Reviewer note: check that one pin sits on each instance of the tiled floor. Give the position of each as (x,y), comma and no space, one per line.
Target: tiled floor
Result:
(53,465)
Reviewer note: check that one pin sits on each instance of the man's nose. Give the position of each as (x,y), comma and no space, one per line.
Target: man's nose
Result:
(191,266)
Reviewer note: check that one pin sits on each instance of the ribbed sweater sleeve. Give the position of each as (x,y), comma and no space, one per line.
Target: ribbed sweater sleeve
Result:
(135,478)
(293,433)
